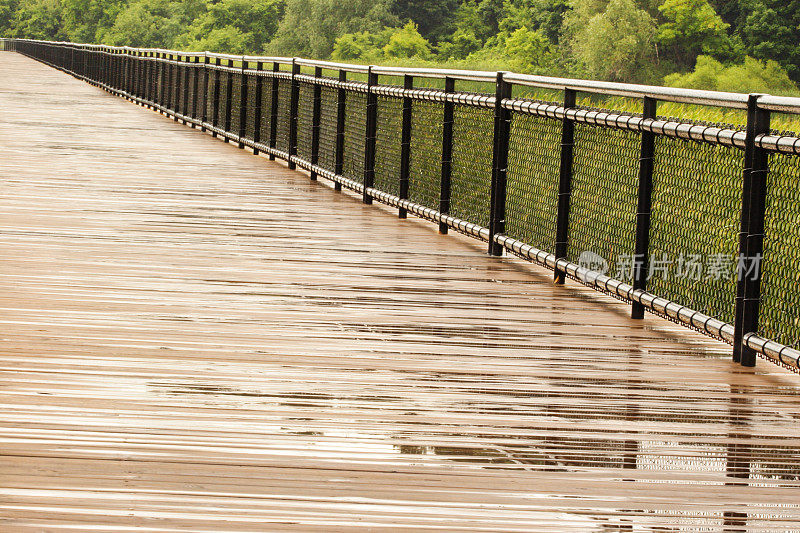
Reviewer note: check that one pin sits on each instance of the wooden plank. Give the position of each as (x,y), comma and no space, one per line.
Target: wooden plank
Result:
(194,338)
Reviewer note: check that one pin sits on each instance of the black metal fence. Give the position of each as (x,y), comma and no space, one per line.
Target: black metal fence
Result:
(695,222)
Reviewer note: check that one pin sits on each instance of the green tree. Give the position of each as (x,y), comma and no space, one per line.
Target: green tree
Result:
(39,19)
(771,31)
(84,21)
(361,46)
(145,23)
(434,18)
(8,11)
(544,16)
(407,42)
(235,26)
(692,27)
(461,44)
(750,76)
(480,18)
(614,44)
(311,27)
(389,43)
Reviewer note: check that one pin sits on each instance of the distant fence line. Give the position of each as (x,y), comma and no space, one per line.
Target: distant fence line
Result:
(697,223)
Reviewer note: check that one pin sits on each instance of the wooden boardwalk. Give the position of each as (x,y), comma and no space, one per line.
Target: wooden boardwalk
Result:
(197,339)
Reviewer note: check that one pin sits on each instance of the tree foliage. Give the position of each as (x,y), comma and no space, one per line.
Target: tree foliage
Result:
(750,76)
(310,27)
(708,43)
(615,43)
(692,27)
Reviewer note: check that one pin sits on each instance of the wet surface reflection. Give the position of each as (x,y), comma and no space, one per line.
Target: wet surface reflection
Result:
(196,339)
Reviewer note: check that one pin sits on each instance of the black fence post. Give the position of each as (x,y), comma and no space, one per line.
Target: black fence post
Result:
(405,144)
(370,135)
(315,120)
(204,113)
(215,98)
(228,101)
(257,107)
(188,71)
(156,80)
(115,69)
(641,248)
(294,98)
(136,74)
(273,116)
(564,186)
(502,131)
(163,87)
(86,63)
(124,72)
(195,87)
(116,58)
(751,237)
(103,66)
(177,79)
(108,71)
(141,76)
(167,84)
(447,154)
(243,104)
(341,107)
(131,82)
(147,82)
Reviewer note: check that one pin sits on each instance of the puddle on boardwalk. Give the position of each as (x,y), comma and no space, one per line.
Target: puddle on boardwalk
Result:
(559,427)
(531,430)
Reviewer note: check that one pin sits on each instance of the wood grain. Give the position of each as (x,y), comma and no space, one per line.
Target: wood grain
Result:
(197,339)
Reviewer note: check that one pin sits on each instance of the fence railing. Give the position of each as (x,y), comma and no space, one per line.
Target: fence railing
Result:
(698,223)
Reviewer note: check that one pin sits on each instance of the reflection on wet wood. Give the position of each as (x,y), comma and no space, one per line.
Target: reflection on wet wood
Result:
(194,338)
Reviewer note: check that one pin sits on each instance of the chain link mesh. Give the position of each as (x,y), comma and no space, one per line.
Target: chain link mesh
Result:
(252,98)
(602,216)
(779,316)
(696,202)
(426,153)
(177,87)
(696,211)
(236,102)
(327,128)
(305,118)
(387,144)
(209,89)
(266,109)
(471,172)
(284,105)
(184,88)
(354,133)
(193,72)
(171,86)
(532,180)
(223,99)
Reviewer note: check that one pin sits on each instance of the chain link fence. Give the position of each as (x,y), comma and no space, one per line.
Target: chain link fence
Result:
(521,171)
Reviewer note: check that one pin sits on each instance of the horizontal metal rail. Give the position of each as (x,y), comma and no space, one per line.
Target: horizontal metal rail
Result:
(667,94)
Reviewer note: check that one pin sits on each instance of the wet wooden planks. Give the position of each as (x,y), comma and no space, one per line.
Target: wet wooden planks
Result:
(196,339)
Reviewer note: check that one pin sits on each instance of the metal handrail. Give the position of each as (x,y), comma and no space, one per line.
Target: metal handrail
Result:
(101,67)
(670,94)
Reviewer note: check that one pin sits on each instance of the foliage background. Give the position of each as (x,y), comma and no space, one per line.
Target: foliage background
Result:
(729,45)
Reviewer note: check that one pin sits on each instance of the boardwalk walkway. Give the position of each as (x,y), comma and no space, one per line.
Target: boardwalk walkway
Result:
(196,339)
